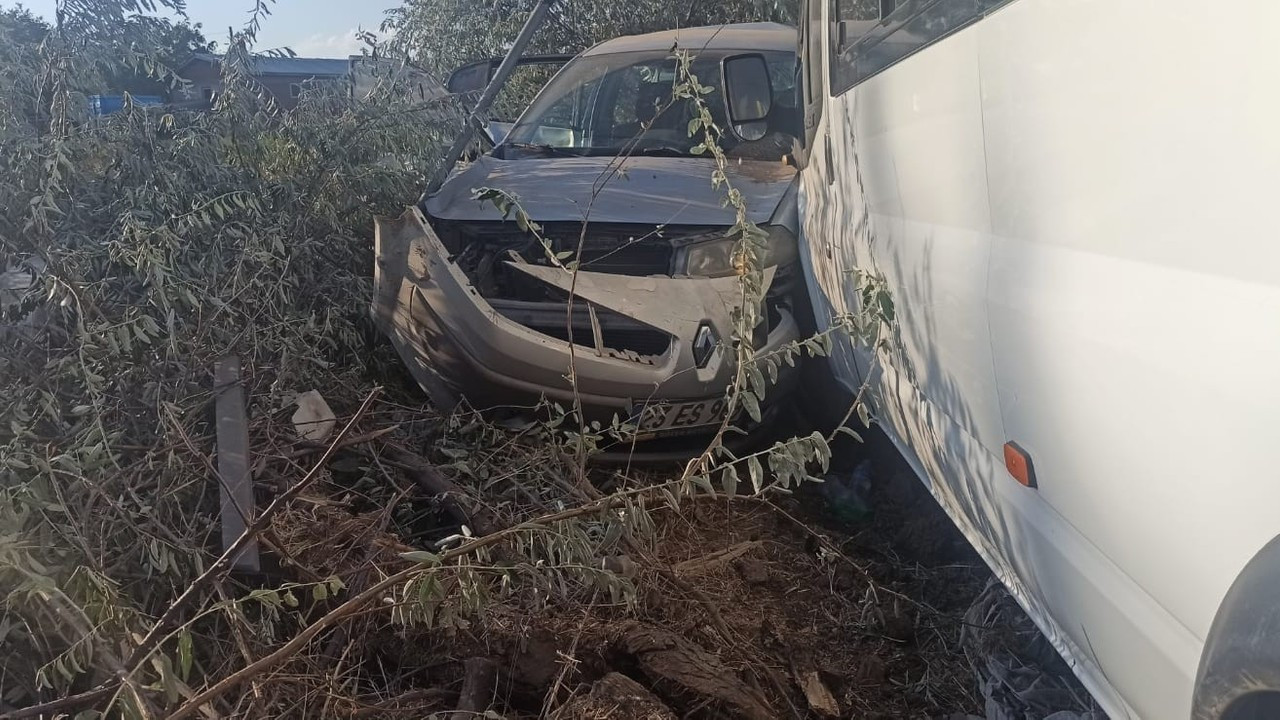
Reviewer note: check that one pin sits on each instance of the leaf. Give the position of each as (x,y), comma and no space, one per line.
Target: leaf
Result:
(168,682)
(752,405)
(673,499)
(846,430)
(428,591)
(422,557)
(821,450)
(771,365)
(704,482)
(336,585)
(756,472)
(266,597)
(825,342)
(864,414)
(729,481)
(319,592)
(886,306)
(184,655)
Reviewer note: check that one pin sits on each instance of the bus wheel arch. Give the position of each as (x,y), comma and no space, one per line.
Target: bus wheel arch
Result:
(1239,676)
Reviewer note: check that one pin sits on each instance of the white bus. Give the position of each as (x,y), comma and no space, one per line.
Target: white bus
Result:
(1074,204)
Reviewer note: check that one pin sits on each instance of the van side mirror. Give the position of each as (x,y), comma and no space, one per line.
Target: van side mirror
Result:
(748,92)
(471,78)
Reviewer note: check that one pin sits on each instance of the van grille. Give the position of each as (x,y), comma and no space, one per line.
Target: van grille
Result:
(621,337)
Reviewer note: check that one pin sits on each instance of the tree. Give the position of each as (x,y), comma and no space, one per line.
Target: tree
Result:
(442,34)
(19,26)
(142,50)
(166,43)
(153,241)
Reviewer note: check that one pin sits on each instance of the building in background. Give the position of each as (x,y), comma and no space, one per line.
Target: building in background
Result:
(284,77)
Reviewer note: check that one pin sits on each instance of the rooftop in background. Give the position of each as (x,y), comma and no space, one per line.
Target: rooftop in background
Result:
(269,65)
(739,36)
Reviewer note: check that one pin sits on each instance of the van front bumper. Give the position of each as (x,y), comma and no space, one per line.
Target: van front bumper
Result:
(458,344)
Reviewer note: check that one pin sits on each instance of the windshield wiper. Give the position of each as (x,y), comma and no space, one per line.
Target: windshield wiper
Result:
(544,149)
(660,152)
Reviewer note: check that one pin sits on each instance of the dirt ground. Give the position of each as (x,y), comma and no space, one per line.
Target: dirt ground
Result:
(856,598)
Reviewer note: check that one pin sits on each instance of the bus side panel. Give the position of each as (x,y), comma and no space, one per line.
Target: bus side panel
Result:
(909,149)
(1134,170)
(905,195)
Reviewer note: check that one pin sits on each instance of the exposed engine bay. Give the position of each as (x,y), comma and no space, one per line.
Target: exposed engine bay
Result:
(491,255)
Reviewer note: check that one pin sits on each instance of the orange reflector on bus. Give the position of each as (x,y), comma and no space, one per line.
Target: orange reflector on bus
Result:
(1019,464)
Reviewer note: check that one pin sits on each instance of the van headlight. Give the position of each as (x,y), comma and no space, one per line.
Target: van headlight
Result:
(714,258)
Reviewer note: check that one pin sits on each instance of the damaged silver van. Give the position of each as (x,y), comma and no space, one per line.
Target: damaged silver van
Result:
(478,309)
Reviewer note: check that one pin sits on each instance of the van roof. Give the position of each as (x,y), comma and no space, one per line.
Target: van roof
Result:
(741,36)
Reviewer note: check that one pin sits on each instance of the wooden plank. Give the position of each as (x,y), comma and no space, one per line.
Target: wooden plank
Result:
(234,479)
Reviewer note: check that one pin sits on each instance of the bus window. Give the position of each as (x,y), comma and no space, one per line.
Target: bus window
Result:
(904,28)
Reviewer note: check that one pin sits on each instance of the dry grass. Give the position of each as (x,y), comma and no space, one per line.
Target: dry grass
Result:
(783,604)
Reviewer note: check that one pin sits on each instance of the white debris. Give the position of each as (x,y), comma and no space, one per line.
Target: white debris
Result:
(313,419)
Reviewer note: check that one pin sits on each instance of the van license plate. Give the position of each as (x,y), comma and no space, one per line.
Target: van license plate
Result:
(661,417)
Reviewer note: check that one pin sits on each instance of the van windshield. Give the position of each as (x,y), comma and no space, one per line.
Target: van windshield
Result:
(601,105)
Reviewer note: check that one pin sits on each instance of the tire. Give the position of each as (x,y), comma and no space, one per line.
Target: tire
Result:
(1255,706)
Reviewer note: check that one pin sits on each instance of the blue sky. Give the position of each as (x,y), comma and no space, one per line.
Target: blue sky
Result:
(312,28)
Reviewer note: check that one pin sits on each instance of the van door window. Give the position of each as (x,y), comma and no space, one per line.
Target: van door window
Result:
(812,40)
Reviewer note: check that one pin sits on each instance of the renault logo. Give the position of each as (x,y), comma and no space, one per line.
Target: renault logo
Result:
(704,344)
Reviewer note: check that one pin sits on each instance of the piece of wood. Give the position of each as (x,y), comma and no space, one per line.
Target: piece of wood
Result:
(235,481)
(479,680)
(397,704)
(817,695)
(451,497)
(613,694)
(316,449)
(682,666)
(714,560)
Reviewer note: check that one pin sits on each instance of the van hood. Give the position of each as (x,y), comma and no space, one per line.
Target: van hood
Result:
(661,191)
